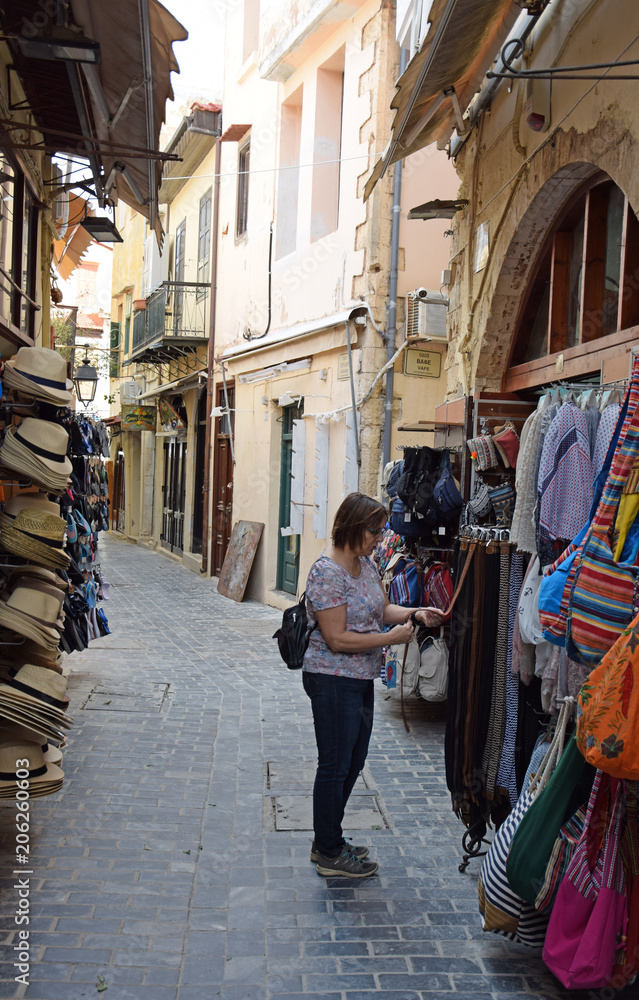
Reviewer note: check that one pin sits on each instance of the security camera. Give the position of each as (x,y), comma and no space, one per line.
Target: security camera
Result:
(421,293)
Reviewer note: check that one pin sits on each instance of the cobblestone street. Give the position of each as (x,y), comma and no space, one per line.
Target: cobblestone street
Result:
(166,867)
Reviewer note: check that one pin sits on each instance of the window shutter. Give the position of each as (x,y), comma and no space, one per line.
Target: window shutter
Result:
(297,477)
(320,493)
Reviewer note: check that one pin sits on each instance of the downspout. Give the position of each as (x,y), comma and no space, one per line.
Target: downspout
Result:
(353,401)
(206,487)
(392,296)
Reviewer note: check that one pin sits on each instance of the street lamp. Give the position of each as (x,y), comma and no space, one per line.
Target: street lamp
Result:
(85,382)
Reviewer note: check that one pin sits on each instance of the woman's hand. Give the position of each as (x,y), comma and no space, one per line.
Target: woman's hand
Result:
(430,617)
(400,634)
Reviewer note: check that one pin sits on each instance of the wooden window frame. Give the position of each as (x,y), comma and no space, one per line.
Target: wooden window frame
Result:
(13,327)
(593,347)
(204,244)
(243,175)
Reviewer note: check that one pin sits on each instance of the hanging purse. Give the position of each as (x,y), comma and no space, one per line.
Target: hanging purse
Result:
(483,452)
(433,669)
(608,723)
(506,441)
(438,586)
(605,593)
(503,498)
(588,919)
(479,505)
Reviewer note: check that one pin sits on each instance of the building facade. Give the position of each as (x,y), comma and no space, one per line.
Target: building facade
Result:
(160,312)
(305,278)
(543,252)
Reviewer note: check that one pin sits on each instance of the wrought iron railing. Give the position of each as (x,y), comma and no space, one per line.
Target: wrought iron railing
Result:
(176,309)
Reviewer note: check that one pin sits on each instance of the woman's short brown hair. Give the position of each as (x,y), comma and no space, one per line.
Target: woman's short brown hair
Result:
(355,514)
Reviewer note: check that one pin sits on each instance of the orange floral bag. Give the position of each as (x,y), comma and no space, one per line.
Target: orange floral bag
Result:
(608,709)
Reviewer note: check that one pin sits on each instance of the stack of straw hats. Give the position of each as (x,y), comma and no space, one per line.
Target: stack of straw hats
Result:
(40,373)
(31,527)
(36,697)
(31,605)
(38,449)
(18,758)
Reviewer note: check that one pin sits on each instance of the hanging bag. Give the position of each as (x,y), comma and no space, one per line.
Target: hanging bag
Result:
(608,723)
(605,593)
(588,919)
(554,592)
(433,669)
(535,837)
(447,497)
(406,587)
(438,586)
(560,858)
(506,441)
(503,910)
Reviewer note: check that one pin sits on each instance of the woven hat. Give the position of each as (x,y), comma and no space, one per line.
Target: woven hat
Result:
(32,608)
(37,449)
(44,778)
(36,697)
(41,373)
(31,529)
(15,650)
(10,731)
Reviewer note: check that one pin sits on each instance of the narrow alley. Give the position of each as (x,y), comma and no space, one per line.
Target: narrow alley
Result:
(172,864)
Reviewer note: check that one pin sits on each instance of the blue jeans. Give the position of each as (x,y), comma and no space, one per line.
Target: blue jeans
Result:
(343,720)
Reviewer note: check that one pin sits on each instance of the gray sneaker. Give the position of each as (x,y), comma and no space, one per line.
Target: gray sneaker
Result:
(360,852)
(346,864)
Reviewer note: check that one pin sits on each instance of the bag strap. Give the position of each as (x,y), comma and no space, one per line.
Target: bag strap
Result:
(624,457)
(460,582)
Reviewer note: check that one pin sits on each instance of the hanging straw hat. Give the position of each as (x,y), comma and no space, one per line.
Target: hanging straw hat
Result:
(10,731)
(44,778)
(36,697)
(30,528)
(41,373)
(33,608)
(37,449)
(16,650)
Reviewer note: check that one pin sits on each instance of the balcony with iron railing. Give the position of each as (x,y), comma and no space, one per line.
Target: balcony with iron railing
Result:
(173,322)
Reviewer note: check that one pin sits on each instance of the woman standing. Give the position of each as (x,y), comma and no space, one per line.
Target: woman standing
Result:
(345,598)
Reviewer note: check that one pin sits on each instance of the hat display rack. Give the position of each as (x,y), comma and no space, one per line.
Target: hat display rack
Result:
(53,503)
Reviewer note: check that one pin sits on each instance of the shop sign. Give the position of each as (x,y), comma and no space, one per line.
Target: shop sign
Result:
(138,418)
(428,364)
(169,417)
(342,364)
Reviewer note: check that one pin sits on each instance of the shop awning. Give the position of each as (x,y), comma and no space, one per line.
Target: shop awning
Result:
(68,250)
(440,81)
(134,76)
(110,112)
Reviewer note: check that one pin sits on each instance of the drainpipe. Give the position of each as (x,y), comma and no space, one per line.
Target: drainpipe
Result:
(206,487)
(392,296)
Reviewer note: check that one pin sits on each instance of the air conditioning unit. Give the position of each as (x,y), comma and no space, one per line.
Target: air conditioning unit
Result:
(130,392)
(426,315)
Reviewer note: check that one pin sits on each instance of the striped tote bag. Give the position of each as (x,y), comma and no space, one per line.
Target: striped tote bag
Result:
(605,592)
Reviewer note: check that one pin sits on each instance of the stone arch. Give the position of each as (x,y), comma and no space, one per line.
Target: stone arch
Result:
(544,192)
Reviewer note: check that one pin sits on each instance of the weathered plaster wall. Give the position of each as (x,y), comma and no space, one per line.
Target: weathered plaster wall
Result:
(504,166)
